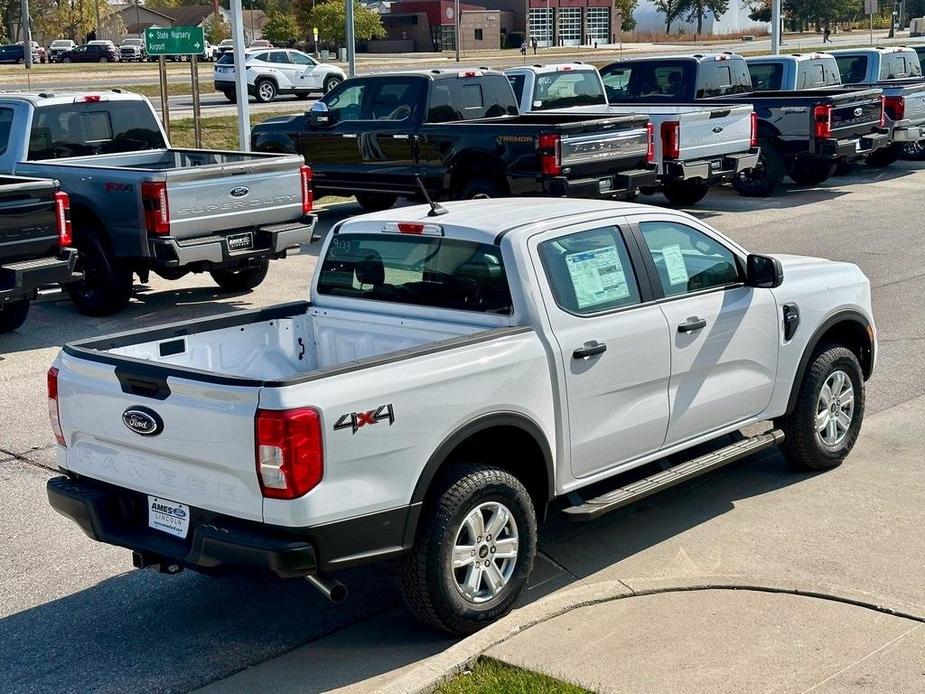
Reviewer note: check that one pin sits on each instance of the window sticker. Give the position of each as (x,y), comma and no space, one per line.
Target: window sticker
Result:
(597,276)
(674,264)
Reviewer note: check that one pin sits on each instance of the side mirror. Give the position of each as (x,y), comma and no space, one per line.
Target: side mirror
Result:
(319,116)
(763,272)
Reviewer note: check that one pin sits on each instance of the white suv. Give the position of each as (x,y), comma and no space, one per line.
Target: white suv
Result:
(275,71)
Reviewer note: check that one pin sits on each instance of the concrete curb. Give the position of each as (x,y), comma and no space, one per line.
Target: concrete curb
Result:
(437,669)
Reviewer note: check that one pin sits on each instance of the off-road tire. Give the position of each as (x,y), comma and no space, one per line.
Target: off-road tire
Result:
(480,188)
(811,173)
(375,202)
(106,286)
(802,446)
(241,279)
(685,193)
(428,583)
(13,314)
(765,178)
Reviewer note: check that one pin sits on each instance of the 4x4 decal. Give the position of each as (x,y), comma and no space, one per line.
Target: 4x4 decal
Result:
(357,420)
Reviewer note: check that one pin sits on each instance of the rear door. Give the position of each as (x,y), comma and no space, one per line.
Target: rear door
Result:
(612,346)
(724,335)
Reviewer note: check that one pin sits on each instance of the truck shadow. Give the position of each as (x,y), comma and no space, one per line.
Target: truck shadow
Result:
(141,630)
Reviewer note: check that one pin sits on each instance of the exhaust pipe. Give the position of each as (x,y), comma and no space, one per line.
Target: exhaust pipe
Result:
(330,587)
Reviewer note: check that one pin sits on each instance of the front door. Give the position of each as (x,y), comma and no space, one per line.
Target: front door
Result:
(305,77)
(387,146)
(724,335)
(613,344)
(332,148)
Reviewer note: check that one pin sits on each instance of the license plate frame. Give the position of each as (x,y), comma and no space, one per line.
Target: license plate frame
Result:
(240,242)
(168,517)
(605,185)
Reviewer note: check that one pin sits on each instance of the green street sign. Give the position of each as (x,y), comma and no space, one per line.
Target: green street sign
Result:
(174,41)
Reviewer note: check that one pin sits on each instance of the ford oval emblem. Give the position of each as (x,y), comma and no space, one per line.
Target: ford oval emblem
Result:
(239,192)
(143,421)
(718,129)
(858,111)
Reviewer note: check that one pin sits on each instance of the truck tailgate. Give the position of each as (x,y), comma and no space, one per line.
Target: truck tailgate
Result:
(234,195)
(856,114)
(200,452)
(27,219)
(715,131)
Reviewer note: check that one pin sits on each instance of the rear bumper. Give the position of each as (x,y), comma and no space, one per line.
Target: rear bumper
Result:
(715,170)
(22,280)
(911,133)
(217,543)
(853,148)
(623,184)
(270,241)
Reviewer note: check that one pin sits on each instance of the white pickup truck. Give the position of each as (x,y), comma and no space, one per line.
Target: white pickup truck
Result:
(697,145)
(456,371)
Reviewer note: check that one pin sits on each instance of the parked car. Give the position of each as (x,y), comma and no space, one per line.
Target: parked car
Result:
(695,146)
(458,132)
(261,43)
(141,206)
(895,70)
(57,49)
(104,42)
(90,53)
(133,50)
(804,135)
(14,54)
(277,71)
(461,368)
(35,244)
(38,52)
(225,46)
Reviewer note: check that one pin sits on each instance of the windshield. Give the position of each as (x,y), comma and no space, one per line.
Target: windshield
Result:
(75,130)
(60,44)
(131,42)
(421,270)
(566,89)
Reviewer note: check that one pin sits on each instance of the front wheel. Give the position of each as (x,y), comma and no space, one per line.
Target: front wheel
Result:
(765,177)
(330,82)
(811,172)
(242,278)
(104,59)
(13,314)
(685,193)
(474,551)
(826,421)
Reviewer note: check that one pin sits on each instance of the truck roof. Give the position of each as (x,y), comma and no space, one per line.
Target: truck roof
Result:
(484,221)
(541,69)
(438,73)
(872,50)
(791,58)
(54,98)
(694,57)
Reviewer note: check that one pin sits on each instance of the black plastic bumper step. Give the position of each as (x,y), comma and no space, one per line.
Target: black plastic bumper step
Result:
(623,496)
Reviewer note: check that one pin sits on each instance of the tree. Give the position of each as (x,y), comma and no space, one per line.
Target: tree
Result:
(628,7)
(281,29)
(329,18)
(698,9)
(217,31)
(671,9)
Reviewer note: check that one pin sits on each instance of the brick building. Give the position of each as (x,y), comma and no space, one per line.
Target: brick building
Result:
(431,25)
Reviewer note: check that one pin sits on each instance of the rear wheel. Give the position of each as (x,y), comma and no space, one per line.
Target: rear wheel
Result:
(826,421)
(104,59)
(242,278)
(914,151)
(231,96)
(13,314)
(66,60)
(685,193)
(811,172)
(480,189)
(765,177)
(265,91)
(106,286)
(375,202)
(474,552)
(885,156)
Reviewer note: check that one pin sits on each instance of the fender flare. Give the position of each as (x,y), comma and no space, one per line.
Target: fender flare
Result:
(846,315)
(452,442)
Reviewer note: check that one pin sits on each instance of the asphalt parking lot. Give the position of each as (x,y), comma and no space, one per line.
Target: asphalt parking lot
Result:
(74,615)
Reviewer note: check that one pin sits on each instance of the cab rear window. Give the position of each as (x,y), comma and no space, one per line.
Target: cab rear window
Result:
(430,271)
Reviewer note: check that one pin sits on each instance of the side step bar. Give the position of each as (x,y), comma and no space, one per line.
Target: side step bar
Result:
(623,496)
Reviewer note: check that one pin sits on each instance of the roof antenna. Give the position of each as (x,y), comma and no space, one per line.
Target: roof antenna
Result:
(435,208)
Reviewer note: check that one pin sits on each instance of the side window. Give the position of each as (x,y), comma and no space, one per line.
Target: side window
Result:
(394,100)
(300,59)
(687,260)
(6,123)
(590,271)
(853,69)
(517,84)
(766,76)
(281,57)
(347,103)
(262,57)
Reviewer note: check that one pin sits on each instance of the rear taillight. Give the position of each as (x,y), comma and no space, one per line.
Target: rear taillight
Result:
(753,135)
(650,143)
(671,139)
(54,415)
(308,196)
(550,154)
(63,219)
(157,213)
(822,121)
(290,458)
(895,107)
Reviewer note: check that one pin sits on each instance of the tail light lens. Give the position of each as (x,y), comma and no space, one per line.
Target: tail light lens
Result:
(650,143)
(54,414)
(157,212)
(290,458)
(753,136)
(671,139)
(550,154)
(63,219)
(308,196)
(894,106)
(822,121)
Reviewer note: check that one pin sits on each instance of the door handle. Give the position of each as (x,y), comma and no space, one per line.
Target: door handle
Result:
(399,137)
(350,135)
(590,349)
(692,324)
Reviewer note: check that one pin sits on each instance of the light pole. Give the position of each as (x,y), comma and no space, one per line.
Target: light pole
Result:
(456,27)
(775,27)
(351,41)
(240,76)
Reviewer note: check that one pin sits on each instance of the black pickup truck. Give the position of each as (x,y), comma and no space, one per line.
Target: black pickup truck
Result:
(804,134)
(35,238)
(459,132)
